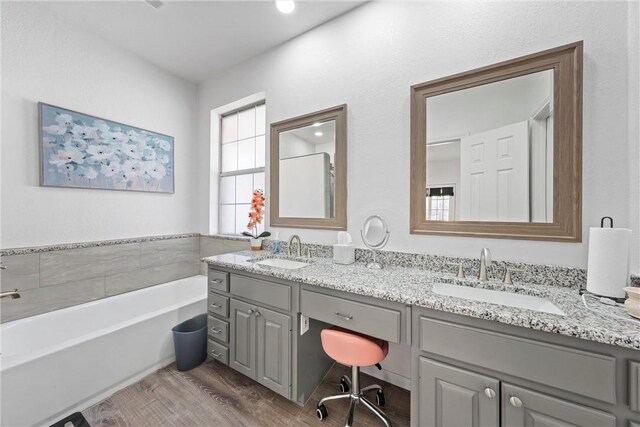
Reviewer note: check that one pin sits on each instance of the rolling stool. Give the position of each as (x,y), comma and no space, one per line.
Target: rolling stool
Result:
(355,350)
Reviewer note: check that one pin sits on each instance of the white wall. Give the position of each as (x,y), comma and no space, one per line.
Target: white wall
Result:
(45,58)
(368,59)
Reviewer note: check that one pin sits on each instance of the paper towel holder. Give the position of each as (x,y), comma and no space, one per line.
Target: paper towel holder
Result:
(604,218)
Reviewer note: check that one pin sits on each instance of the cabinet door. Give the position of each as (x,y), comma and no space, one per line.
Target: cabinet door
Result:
(242,343)
(451,396)
(521,407)
(274,350)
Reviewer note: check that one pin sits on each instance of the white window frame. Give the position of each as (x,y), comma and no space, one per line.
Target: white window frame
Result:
(215,157)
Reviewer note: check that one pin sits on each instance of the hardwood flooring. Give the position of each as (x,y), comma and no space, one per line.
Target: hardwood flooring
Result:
(216,395)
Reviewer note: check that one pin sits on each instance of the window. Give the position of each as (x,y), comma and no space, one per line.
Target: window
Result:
(440,204)
(242,165)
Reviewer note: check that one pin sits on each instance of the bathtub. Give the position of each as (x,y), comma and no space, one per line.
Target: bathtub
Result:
(57,363)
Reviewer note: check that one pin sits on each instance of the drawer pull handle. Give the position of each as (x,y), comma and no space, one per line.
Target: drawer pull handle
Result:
(515,402)
(344,316)
(216,280)
(215,305)
(215,331)
(489,392)
(214,354)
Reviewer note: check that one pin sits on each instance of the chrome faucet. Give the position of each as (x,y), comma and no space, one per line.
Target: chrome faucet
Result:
(11,294)
(485,262)
(298,247)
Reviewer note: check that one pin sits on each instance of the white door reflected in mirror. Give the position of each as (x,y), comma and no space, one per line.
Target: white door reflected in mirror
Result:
(307,171)
(490,152)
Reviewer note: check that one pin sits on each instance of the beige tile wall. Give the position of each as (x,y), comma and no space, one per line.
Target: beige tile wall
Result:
(53,280)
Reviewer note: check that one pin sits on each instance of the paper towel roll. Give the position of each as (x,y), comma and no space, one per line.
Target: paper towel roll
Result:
(608,266)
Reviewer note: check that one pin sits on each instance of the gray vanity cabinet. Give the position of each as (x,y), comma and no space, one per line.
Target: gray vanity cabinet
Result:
(274,350)
(452,396)
(260,345)
(242,354)
(522,407)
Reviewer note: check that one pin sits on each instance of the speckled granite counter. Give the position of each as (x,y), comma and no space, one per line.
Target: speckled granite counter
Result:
(414,286)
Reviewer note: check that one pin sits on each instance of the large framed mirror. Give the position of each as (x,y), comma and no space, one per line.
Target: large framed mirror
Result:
(308,168)
(497,151)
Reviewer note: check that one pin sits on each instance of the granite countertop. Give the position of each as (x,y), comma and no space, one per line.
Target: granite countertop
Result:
(414,286)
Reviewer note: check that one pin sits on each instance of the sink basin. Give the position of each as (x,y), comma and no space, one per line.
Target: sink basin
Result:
(498,297)
(285,264)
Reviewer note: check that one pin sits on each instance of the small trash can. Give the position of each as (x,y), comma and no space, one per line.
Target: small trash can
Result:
(190,342)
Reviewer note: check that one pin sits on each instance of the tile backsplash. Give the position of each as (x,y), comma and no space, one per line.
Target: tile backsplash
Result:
(54,277)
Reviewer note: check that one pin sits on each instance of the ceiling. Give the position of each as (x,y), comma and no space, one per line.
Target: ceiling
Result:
(196,39)
(308,133)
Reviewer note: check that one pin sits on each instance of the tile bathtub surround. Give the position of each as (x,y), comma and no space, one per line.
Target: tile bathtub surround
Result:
(54,277)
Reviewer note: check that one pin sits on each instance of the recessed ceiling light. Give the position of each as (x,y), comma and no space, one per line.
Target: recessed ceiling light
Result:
(318,134)
(286,6)
(316,124)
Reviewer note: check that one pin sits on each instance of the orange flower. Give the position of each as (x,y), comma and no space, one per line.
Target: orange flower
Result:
(256,215)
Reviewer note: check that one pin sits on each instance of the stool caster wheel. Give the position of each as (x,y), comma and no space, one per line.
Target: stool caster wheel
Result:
(345,384)
(321,412)
(380,399)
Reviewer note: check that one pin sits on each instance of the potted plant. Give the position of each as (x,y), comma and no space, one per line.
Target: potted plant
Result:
(256,216)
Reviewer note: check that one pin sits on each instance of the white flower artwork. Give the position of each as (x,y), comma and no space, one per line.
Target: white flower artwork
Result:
(87,152)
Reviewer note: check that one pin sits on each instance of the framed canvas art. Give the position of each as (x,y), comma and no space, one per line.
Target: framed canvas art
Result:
(82,151)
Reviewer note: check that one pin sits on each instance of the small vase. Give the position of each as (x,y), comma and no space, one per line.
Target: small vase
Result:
(256,244)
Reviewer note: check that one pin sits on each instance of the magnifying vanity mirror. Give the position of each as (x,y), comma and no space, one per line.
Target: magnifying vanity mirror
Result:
(375,235)
(496,152)
(308,170)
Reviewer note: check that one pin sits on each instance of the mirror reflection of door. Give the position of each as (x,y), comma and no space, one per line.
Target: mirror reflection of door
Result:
(494,144)
(307,172)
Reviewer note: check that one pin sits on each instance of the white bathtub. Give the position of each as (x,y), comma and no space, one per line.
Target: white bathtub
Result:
(57,363)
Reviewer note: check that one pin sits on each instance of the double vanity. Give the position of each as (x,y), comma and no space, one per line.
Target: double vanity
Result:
(482,353)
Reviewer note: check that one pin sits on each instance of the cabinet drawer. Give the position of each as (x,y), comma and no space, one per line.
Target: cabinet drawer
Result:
(580,372)
(218,351)
(522,407)
(218,329)
(218,281)
(273,294)
(379,322)
(218,304)
(634,386)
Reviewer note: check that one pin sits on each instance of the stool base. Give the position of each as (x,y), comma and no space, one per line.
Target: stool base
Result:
(356,396)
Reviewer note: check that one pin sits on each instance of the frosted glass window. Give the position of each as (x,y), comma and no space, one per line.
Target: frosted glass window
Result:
(227,219)
(246,154)
(247,123)
(228,190)
(242,218)
(261,120)
(230,128)
(258,181)
(244,188)
(229,157)
(242,164)
(260,151)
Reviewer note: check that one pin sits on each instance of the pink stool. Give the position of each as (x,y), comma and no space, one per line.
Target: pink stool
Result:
(355,350)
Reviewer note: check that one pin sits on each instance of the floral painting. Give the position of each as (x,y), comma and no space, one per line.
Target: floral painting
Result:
(88,152)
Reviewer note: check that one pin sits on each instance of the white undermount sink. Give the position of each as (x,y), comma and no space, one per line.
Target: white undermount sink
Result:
(510,299)
(285,264)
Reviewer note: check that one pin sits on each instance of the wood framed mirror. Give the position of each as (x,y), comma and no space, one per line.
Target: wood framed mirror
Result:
(308,166)
(497,151)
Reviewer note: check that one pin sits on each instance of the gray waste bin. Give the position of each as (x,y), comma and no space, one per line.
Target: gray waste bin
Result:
(190,341)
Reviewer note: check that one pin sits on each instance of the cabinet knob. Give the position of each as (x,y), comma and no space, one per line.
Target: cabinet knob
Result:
(250,312)
(258,314)
(515,402)
(489,392)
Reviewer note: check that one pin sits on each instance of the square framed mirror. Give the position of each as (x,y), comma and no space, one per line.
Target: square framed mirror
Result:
(497,151)
(308,167)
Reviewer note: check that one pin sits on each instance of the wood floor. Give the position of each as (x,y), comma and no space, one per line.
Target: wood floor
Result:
(216,395)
